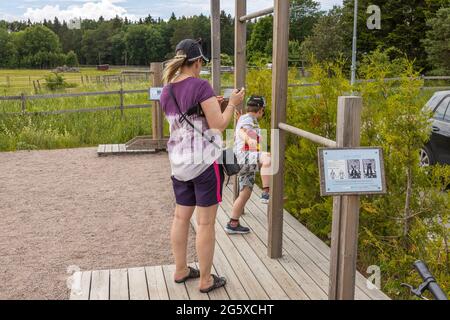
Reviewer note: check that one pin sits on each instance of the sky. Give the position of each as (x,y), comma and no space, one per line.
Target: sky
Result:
(38,10)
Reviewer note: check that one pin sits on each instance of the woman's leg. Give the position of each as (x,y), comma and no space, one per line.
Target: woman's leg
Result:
(205,242)
(179,238)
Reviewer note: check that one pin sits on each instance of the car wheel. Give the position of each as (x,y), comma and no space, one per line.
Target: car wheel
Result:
(426,157)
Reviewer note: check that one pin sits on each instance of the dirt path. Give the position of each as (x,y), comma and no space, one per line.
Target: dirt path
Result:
(71,208)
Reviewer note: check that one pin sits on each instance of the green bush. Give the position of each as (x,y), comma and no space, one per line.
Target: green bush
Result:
(410,222)
(55,81)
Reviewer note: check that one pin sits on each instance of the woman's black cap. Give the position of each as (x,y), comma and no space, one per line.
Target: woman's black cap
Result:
(192,49)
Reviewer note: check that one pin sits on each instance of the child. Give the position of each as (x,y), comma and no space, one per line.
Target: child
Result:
(248,152)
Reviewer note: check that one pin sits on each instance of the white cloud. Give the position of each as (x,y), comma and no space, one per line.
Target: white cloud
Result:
(88,10)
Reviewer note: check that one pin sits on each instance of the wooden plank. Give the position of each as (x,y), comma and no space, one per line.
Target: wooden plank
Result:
(256,14)
(259,269)
(234,287)
(101,149)
(219,294)
(138,284)
(286,281)
(215,45)
(108,148)
(81,287)
(156,283)
(100,285)
(240,60)
(115,148)
(306,281)
(119,285)
(307,135)
(176,291)
(306,255)
(122,148)
(253,288)
(344,237)
(279,105)
(157,116)
(193,289)
(313,247)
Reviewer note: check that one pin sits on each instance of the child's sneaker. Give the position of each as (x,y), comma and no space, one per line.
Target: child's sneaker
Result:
(236,230)
(265,197)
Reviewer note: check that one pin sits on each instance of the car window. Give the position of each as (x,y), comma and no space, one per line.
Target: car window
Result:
(441,110)
(447,115)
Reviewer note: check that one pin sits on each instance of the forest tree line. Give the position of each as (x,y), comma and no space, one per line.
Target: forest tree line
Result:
(417,29)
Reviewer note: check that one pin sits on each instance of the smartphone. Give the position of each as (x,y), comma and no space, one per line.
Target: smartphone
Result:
(227,93)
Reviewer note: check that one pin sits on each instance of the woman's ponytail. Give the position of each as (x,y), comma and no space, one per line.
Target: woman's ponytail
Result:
(173,67)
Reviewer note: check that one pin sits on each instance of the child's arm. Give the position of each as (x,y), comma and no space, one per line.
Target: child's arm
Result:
(251,142)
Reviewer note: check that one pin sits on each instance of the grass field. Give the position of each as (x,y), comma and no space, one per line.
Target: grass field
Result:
(82,129)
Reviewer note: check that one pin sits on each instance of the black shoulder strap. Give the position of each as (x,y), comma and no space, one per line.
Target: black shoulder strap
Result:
(185,118)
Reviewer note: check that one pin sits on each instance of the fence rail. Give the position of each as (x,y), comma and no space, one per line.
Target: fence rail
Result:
(24,98)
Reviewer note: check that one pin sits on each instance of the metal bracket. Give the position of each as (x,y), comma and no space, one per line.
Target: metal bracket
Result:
(421,289)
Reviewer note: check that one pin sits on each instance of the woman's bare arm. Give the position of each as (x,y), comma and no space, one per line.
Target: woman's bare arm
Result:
(216,119)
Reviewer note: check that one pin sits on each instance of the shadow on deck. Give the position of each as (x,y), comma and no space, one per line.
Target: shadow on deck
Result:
(301,274)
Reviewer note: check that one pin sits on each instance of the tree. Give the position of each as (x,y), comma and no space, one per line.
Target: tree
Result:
(403,25)
(304,15)
(71,59)
(260,42)
(144,44)
(327,40)
(38,38)
(7,49)
(437,42)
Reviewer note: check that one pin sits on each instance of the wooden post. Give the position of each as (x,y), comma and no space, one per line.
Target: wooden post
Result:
(35,87)
(240,63)
(23,102)
(215,45)
(121,101)
(279,106)
(157,115)
(344,238)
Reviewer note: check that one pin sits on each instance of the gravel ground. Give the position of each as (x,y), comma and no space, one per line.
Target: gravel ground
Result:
(71,208)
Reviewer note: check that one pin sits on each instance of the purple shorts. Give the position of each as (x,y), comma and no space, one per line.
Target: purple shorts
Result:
(204,191)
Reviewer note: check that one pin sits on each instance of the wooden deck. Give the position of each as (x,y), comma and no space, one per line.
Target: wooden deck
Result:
(302,273)
(119,149)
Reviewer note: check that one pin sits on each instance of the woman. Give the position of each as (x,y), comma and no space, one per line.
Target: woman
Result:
(197,177)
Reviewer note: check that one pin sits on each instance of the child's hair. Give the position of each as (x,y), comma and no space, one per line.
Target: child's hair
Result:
(174,65)
(255,104)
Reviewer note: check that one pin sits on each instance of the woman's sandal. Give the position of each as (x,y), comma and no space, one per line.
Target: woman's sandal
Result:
(193,274)
(218,283)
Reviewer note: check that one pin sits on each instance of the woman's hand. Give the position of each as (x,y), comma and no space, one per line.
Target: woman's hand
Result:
(237,97)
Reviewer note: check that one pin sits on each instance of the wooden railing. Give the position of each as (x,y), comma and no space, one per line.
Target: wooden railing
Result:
(121,106)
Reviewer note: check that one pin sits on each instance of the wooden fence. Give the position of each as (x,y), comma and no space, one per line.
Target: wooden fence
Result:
(121,105)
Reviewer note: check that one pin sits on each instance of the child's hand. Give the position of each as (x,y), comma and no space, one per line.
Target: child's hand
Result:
(220,99)
(253,145)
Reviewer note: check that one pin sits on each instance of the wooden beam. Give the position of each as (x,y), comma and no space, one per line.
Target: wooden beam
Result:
(215,45)
(240,60)
(256,14)
(157,119)
(308,135)
(279,106)
(344,238)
